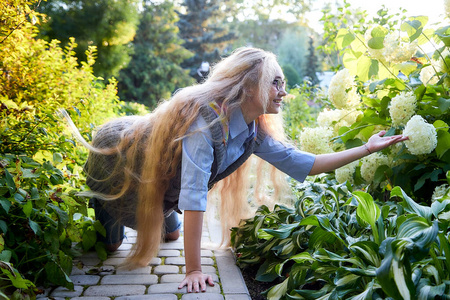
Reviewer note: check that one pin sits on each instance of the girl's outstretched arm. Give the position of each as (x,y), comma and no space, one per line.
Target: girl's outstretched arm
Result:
(331,161)
(195,280)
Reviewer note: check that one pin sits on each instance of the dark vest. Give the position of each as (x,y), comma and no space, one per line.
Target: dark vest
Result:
(124,208)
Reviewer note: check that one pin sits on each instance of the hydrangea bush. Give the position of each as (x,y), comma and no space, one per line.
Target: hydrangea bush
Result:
(389,81)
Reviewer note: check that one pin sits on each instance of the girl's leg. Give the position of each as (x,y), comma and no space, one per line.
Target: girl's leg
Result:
(114,230)
(172,227)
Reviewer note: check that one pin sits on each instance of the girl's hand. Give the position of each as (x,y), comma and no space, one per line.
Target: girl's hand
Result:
(378,141)
(196,281)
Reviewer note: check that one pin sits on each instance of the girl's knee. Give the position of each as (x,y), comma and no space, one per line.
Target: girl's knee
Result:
(173,235)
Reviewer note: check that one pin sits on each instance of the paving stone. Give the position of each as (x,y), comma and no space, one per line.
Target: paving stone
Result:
(203,252)
(85,279)
(129,240)
(202,296)
(121,253)
(172,245)
(114,290)
(172,288)
(237,297)
(180,261)
(116,261)
(64,292)
(230,275)
(130,279)
(90,298)
(149,297)
(124,247)
(88,261)
(167,278)
(205,269)
(169,253)
(79,271)
(143,270)
(164,269)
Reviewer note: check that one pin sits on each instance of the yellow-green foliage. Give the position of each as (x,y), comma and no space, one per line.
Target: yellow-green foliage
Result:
(37,78)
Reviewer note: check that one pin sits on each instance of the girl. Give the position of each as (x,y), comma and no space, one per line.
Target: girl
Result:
(143,171)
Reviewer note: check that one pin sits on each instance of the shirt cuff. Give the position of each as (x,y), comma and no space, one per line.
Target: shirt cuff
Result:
(192,200)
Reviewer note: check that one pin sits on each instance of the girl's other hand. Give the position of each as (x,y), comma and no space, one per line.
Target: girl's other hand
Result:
(196,281)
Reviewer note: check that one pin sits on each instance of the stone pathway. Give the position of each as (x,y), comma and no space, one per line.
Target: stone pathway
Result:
(159,281)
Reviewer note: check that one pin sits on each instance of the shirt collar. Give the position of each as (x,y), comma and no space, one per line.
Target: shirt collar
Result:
(238,125)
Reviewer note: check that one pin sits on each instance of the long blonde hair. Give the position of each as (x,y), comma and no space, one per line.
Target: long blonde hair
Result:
(157,139)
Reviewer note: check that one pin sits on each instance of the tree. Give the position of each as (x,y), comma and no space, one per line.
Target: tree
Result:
(292,48)
(200,29)
(154,71)
(107,24)
(311,63)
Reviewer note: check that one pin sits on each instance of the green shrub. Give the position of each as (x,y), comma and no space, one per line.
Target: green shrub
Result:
(43,224)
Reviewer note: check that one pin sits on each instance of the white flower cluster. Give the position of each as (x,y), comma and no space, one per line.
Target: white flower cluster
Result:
(402,108)
(346,172)
(316,140)
(422,137)
(428,74)
(396,50)
(342,90)
(337,117)
(371,163)
(440,191)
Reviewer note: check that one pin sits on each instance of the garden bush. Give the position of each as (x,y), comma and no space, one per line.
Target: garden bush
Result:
(43,224)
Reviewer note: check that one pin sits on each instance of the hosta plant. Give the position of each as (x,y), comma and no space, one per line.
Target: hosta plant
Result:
(339,244)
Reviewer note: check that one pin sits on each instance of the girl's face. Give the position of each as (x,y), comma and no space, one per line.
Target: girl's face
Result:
(277,92)
(252,108)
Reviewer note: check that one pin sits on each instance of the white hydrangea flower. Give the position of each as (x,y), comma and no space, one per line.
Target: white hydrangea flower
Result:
(396,50)
(327,117)
(440,191)
(342,90)
(422,136)
(346,172)
(402,108)
(337,118)
(428,74)
(316,140)
(371,163)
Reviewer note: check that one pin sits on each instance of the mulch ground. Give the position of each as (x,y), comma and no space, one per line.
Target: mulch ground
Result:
(255,288)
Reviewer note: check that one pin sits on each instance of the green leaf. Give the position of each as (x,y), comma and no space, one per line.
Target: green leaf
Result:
(444,35)
(88,239)
(444,105)
(278,290)
(344,38)
(301,257)
(369,250)
(62,215)
(376,43)
(6,204)
(283,232)
(56,275)
(34,226)
(443,144)
(10,182)
(319,237)
(57,158)
(367,209)
(27,208)
(410,205)
(3,226)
